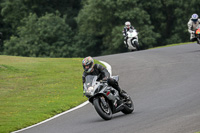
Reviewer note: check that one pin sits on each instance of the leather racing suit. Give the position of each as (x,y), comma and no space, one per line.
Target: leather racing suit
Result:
(192,28)
(104,74)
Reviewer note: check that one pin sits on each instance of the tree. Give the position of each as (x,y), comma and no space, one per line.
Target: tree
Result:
(13,11)
(98,26)
(46,36)
(170,18)
(68,8)
(105,21)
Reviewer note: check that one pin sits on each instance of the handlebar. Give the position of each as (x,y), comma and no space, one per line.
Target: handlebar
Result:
(103,81)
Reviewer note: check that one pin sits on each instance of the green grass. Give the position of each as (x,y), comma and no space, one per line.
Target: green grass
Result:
(171,45)
(34,89)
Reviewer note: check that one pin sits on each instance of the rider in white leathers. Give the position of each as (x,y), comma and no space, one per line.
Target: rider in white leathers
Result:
(192,25)
(127,27)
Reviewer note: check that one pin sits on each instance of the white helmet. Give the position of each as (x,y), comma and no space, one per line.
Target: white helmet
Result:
(194,17)
(128,24)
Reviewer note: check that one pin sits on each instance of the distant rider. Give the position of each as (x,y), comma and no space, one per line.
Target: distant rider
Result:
(96,69)
(127,27)
(192,25)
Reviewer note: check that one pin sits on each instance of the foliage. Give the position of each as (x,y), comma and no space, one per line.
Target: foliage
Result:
(108,28)
(15,10)
(170,19)
(96,26)
(47,36)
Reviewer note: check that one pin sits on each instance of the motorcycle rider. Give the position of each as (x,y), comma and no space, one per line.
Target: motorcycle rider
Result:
(192,25)
(96,69)
(127,27)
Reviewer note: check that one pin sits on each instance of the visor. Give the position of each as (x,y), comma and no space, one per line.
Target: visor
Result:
(194,20)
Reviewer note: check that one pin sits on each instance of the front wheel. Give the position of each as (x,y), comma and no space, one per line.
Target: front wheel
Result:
(102,107)
(137,45)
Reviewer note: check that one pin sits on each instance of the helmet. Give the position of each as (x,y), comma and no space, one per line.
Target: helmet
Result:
(88,61)
(194,17)
(128,24)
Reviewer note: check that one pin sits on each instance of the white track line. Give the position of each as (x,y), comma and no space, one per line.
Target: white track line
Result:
(58,115)
(108,67)
(81,105)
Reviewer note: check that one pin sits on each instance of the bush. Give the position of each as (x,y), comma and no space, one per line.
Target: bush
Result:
(47,36)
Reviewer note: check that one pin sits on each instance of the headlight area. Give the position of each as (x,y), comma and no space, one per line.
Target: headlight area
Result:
(90,90)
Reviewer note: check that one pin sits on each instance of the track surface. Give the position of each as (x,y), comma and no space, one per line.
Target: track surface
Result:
(164,84)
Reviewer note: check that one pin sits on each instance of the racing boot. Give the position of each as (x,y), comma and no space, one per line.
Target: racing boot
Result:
(122,93)
(115,85)
(125,42)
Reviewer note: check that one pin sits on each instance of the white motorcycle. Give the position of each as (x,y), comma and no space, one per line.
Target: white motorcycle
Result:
(132,40)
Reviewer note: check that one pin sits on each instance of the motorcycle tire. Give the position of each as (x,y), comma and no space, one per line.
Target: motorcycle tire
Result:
(198,41)
(137,45)
(128,107)
(104,112)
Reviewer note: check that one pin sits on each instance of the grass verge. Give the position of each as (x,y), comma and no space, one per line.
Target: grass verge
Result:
(169,45)
(34,89)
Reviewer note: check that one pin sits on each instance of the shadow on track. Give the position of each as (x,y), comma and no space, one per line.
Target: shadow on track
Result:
(115,117)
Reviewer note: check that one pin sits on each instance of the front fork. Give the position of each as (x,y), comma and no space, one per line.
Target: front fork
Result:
(103,101)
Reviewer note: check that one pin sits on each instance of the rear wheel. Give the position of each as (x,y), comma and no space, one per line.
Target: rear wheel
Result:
(128,107)
(102,107)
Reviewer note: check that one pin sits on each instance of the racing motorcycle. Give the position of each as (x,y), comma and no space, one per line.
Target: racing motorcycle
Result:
(197,34)
(105,99)
(132,40)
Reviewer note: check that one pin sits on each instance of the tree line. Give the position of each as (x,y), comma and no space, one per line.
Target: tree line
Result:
(68,28)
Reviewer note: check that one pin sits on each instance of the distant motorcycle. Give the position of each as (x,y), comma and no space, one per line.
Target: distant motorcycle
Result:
(106,100)
(197,34)
(132,40)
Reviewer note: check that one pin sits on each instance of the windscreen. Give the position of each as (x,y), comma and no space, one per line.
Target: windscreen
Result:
(89,80)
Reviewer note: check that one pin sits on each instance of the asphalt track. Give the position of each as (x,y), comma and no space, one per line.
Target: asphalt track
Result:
(164,84)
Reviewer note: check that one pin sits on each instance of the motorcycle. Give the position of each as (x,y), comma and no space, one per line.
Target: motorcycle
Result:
(197,34)
(132,40)
(106,99)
